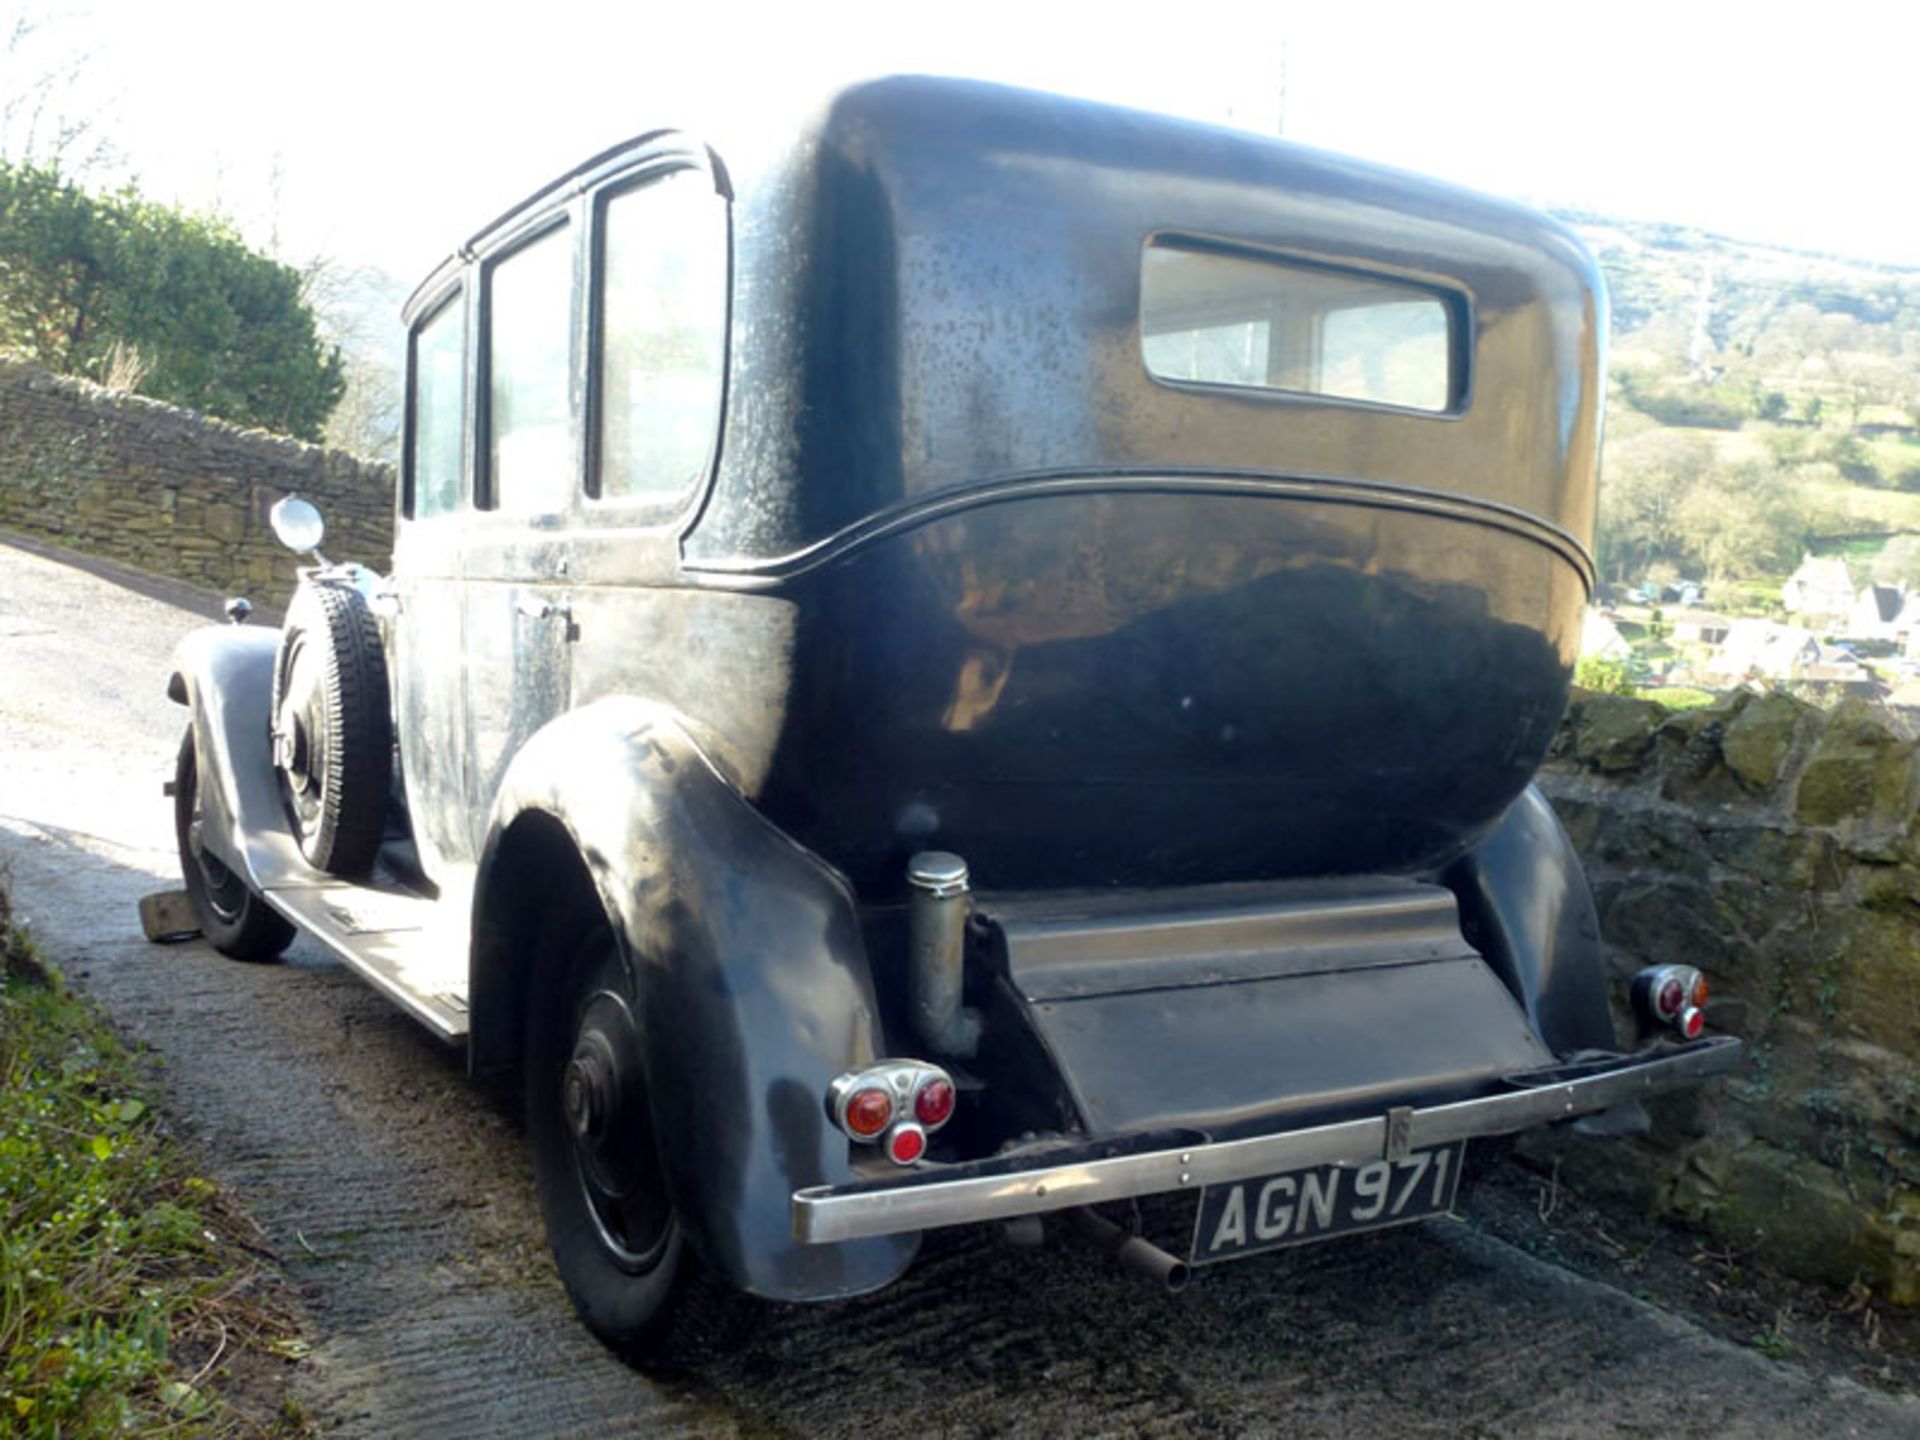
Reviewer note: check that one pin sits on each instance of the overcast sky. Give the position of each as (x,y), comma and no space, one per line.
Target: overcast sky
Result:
(382,133)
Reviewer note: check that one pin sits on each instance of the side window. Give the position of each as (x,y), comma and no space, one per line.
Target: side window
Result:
(529,326)
(439,373)
(1267,324)
(663,327)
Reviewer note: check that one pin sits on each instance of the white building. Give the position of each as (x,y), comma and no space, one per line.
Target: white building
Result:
(1820,593)
(1762,650)
(1880,612)
(1600,639)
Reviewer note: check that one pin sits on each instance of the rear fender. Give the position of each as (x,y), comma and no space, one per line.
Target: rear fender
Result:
(750,972)
(1525,905)
(224,676)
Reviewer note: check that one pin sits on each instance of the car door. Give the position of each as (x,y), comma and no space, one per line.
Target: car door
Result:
(425,608)
(518,610)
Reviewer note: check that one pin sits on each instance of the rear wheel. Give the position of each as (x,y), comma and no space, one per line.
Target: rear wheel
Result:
(235,920)
(616,1238)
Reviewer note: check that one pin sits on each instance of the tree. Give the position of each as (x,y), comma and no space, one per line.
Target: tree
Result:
(43,116)
(357,309)
(1645,479)
(1741,520)
(1898,562)
(1667,498)
(215,326)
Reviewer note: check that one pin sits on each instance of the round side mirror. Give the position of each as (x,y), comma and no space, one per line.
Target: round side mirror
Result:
(298,524)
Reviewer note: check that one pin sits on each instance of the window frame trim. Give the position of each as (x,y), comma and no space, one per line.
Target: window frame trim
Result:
(649,510)
(456,293)
(1456,303)
(486,494)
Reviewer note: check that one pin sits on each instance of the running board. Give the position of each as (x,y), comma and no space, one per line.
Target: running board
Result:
(410,948)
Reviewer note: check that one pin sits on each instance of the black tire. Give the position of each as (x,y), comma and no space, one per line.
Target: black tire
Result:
(616,1238)
(235,920)
(332,728)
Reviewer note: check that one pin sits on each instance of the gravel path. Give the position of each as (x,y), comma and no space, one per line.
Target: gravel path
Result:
(400,1195)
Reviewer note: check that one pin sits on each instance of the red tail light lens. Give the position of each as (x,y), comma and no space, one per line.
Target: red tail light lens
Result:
(1672,995)
(906,1144)
(868,1112)
(1691,1023)
(933,1103)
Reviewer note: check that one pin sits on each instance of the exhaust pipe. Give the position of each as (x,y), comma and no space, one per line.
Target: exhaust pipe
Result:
(1135,1252)
(939,903)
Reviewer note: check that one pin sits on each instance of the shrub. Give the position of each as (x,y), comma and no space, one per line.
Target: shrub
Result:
(1608,677)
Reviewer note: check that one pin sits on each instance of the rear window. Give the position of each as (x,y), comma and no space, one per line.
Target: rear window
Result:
(1219,319)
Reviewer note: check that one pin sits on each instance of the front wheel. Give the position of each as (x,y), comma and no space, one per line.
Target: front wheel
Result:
(234,919)
(616,1238)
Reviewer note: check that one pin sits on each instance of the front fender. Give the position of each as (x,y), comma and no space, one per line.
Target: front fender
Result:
(751,977)
(223,674)
(1526,906)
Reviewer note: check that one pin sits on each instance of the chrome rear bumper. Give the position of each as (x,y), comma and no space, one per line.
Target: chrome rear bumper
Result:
(998,1189)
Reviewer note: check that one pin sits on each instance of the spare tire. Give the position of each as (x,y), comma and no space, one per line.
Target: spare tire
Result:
(332,727)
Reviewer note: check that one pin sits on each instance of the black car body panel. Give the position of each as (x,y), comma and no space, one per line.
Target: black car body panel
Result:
(748,993)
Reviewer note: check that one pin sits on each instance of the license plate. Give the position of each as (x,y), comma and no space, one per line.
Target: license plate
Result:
(1306,1205)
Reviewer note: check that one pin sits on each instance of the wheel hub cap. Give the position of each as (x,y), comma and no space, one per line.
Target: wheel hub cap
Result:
(599,1099)
(603,1105)
(587,1092)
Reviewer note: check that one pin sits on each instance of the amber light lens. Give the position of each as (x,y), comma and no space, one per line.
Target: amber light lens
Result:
(869,1112)
(1700,992)
(933,1104)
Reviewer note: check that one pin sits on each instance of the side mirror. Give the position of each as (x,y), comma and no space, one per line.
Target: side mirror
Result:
(298,525)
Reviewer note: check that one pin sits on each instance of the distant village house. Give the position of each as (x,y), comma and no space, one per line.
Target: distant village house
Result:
(1761,650)
(1881,613)
(1600,639)
(1820,593)
(1700,627)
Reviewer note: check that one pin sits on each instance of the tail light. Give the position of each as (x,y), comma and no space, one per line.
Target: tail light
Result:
(1674,996)
(867,1112)
(906,1144)
(895,1103)
(933,1102)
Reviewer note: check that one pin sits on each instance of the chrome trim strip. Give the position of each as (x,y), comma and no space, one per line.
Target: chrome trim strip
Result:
(826,1213)
(1324,489)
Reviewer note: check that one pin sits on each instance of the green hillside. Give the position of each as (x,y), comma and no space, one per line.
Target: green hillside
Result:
(1761,402)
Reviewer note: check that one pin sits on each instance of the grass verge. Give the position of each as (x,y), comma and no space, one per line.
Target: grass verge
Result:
(1678,697)
(134,1297)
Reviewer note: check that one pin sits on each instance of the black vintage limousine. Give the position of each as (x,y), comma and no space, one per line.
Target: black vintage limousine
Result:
(974,659)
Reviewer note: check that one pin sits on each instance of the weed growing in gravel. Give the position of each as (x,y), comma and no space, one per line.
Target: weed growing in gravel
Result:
(121,1289)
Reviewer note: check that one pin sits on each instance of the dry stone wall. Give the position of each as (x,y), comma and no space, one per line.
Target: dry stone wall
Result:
(1776,847)
(172,492)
